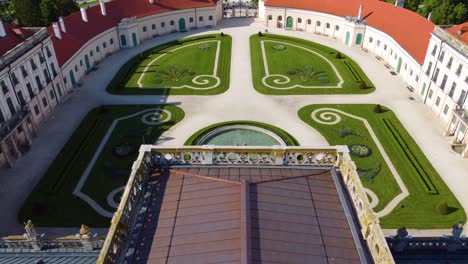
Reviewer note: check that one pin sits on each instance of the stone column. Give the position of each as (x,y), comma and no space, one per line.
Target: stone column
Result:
(6,152)
(457,129)
(449,126)
(27,133)
(465,152)
(14,147)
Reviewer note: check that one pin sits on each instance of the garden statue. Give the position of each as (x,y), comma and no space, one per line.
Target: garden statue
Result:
(457,230)
(85,232)
(30,230)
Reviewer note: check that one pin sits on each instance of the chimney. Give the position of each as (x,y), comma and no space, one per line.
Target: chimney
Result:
(62,25)
(84,16)
(57,30)
(396,3)
(151,1)
(429,17)
(360,12)
(2,30)
(103,7)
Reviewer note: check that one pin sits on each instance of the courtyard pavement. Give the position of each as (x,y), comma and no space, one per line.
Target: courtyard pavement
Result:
(240,102)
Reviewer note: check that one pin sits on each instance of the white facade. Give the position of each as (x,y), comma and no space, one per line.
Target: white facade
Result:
(31,86)
(444,85)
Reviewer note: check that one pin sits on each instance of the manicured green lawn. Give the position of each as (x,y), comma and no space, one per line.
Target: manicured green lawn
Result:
(89,3)
(52,202)
(298,66)
(425,186)
(288,139)
(184,67)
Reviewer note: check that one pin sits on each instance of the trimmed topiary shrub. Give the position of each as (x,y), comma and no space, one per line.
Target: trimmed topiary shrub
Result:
(378,109)
(443,208)
(361,85)
(338,56)
(222,34)
(260,34)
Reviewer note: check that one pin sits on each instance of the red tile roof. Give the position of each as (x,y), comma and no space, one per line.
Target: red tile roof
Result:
(460,32)
(14,36)
(409,29)
(79,32)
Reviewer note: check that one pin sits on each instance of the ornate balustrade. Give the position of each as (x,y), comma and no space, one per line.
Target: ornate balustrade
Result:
(370,227)
(151,156)
(210,155)
(122,218)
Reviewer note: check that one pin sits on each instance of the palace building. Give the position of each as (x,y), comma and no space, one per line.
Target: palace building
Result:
(226,204)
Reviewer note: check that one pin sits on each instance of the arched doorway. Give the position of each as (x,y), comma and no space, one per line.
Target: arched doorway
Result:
(347,38)
(72,79)
(86,59)
(399,65)
(289,22)
(181,24)
(123,40)
(134,37)
(358,39)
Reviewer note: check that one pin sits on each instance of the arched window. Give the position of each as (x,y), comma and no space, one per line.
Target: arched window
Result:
(337,28)
(270,17)
(123,40)
(327,25)
(280,18)
(210,18)
(171,23)
(370,39)
(200,19)
(299,20)
(318,23)
(309,22)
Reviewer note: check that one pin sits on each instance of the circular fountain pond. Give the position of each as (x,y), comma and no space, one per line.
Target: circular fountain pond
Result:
(242,134)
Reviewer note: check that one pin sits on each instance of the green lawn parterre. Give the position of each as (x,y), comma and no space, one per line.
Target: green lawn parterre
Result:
(286,56)
(426,188)
(52,203)
(172,68)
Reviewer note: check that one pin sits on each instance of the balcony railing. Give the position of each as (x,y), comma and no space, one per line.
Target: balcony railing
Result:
(12,123)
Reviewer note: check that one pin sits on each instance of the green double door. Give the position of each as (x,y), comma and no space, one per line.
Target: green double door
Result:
(181,24)
(289,22)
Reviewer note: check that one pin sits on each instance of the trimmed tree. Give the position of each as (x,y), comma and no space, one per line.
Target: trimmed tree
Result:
(443,208)
(378,109)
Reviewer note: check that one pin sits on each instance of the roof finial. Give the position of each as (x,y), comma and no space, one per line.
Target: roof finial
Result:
(2,30)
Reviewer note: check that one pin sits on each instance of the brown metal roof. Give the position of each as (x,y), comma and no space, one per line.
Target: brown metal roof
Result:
(263,215)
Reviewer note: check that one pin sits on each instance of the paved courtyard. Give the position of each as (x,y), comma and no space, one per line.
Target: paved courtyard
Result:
(240,102)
